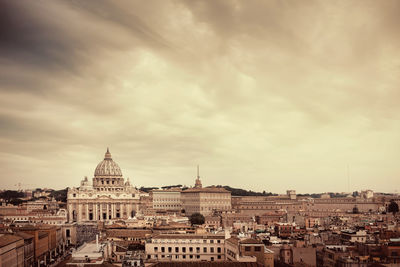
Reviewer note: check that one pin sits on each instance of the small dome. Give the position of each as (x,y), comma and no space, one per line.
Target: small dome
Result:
(107,168)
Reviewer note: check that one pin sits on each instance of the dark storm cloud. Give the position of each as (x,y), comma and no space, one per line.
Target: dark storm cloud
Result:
(28,36)
(62,36)
(123,14)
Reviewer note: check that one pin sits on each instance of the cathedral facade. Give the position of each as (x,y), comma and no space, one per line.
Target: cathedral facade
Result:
(108,197)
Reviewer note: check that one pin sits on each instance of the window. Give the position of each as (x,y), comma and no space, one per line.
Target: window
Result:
(219,257)
(211,241)
(191,256)
(169,249)
(247,248)
(191,249)
(177,249)
(162,249)
(212,250)
(257,248)
(184,249)
(218,241)
(219,250)
(205,250)
(184,256)
(198,250)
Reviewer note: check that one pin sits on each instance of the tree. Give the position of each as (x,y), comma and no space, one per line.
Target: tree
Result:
(196,218)
(60,195)
(393,207)
(11,194)
(355,210)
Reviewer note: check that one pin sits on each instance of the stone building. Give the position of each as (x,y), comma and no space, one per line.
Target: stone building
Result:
(167,199)
(186,247)
(29,248)
(41,241)
(205,200)
(109,197)
(248,250)
(11,251)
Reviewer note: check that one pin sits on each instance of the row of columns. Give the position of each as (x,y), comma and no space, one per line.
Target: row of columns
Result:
(98,210)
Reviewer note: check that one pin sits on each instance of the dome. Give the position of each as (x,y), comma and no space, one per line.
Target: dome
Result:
(108,168)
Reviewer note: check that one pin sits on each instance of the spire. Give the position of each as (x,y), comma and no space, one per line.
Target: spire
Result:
(198,184)
(108,154)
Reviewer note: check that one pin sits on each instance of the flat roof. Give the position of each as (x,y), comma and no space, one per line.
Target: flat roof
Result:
(8,239)
(188,236)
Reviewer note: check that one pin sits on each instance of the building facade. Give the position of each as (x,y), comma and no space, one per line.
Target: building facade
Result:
(205,200)
(248,250)
(168,199)
(186,247)
(11,251)
(109,197)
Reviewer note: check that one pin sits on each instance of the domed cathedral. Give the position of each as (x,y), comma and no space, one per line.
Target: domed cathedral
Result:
(109,197)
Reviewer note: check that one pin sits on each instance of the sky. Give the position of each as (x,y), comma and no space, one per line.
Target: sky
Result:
(263,95)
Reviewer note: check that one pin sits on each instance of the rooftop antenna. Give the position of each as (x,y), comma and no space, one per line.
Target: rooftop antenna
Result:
(198,171)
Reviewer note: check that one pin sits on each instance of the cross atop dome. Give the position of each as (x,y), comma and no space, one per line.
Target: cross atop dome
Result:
(108,154)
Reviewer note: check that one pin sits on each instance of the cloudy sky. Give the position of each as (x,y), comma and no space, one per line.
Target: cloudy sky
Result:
(264,95)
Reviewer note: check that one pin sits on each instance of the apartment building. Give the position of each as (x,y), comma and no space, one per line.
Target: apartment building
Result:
(11,250)
(186,247)
(248,250)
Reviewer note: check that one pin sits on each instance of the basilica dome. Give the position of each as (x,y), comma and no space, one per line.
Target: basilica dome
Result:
(108,168)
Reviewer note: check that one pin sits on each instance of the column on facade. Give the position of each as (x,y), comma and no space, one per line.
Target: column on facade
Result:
(94,206)
(79,212)
(87,211)
(107,210)
(121,209)
(70,219)
(128,209)
(101,211)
